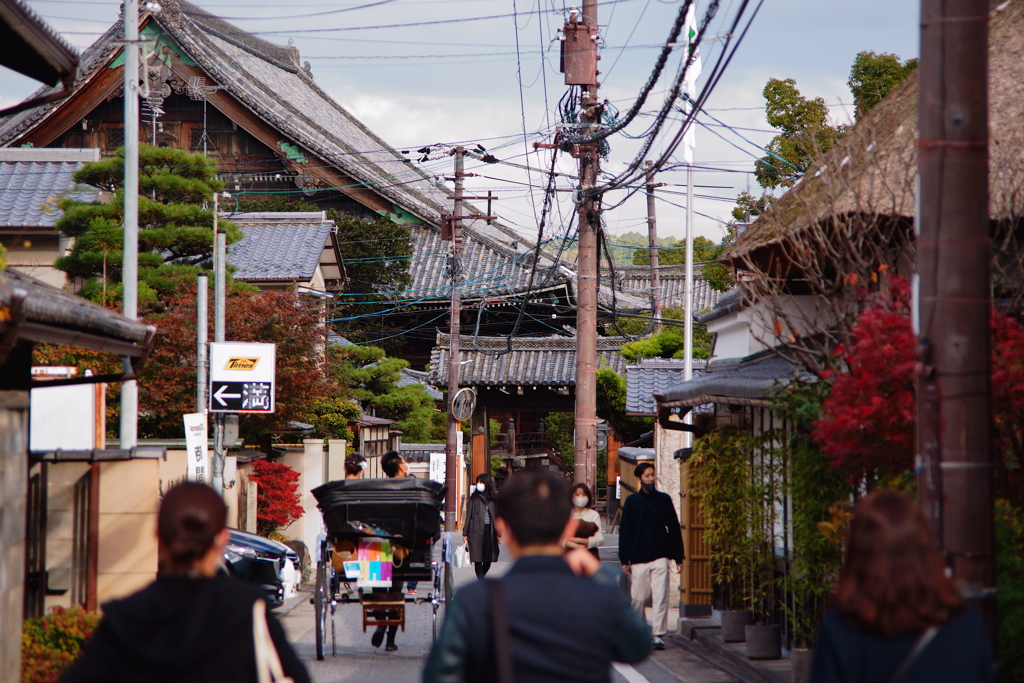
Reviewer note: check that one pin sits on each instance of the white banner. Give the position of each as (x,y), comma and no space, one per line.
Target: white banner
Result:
(437,467)
(690,80)
(196,445)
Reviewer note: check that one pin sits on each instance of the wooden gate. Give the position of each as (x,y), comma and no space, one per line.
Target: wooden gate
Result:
(696,581)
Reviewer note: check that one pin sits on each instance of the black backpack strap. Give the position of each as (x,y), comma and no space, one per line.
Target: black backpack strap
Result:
(500,631)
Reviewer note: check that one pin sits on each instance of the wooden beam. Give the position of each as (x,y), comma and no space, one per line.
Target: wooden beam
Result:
(480,441)
(71,111)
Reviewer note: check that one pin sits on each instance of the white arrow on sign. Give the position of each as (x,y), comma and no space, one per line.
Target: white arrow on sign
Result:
(220,395)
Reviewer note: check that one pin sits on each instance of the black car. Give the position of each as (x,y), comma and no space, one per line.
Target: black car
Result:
(262,561)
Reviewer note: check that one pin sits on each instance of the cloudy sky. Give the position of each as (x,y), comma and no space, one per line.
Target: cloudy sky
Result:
(486,71)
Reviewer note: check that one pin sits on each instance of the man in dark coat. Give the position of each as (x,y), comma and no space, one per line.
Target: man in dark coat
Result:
(649,538)
(565,618)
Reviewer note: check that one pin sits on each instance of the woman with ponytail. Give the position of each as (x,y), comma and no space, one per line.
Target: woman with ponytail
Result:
(194,623)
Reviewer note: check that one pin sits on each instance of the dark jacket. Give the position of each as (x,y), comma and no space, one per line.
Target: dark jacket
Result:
(564,627)
(649,529)
(959,652)
(181,630)
(474,529)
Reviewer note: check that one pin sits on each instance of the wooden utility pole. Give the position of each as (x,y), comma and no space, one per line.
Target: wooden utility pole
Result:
(652,241)
(952,313)
(453,231)
(580,66)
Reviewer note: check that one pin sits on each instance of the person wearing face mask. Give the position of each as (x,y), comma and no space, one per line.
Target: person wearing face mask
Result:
(588,531)
(480,532)
(649,538)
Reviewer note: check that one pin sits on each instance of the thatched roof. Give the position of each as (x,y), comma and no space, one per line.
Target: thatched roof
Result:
(871,171)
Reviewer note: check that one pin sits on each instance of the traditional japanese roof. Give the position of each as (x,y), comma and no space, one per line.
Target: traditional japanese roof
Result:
(409,377)
(872,169)
(636,280)
(729,302)
(30,47)
(533,361)
(32,181)
(38,312)
(371,421)
(753,380)
(420,452)
(279,246)
(649,375)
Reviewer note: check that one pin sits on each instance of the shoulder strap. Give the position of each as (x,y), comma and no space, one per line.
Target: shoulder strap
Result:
(919,646)
(500,630)
(268,664)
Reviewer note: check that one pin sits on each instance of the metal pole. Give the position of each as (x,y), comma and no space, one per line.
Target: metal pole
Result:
(451,453)
(202,337)
(218,335)
(953,293)
(688,324)
(652,241)
(130,251)
(585,442)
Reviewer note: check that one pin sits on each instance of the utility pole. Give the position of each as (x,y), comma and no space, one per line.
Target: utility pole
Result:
(652,240)
(130,251)
(579,58)
(954,451)
(454,233)
(202,337)
(219,274)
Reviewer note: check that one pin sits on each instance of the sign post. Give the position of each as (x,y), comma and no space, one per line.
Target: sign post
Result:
(242,377)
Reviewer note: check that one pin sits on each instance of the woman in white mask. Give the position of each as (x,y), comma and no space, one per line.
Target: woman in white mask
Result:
(588,533)
(480,532)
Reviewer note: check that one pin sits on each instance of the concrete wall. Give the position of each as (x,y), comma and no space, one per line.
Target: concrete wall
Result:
(13,490)
(666,467)
(129,500)
(309,464)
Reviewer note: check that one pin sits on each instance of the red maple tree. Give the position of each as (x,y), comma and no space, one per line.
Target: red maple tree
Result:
(277,495)
(869,415)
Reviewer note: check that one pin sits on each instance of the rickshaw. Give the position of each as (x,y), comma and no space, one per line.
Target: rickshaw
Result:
(379,531)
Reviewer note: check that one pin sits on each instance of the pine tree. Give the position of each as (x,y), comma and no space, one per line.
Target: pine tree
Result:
(175,225)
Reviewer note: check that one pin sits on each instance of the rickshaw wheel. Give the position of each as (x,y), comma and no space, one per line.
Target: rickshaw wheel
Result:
(320,604)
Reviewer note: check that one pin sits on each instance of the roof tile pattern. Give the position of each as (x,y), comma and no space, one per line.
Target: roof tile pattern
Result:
(752,380)
(636,280)
(279,251)
(29,191)
(533,361)
(648,375)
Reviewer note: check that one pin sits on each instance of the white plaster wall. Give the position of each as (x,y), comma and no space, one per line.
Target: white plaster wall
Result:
(309,464)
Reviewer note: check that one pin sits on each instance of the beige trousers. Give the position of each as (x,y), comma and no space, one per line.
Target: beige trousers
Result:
(651,579)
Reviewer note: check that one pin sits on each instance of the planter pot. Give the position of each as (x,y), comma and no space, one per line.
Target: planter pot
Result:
(733,623)
(764,642)
(801,659)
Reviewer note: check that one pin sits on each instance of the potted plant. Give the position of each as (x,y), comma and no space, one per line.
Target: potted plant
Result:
(720,474)
(764,639)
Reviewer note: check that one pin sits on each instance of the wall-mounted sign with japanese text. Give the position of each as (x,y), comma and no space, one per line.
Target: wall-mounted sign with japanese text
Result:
(242,377)
(198,468)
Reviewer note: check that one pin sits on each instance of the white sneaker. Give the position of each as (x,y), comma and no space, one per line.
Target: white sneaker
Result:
(657,643)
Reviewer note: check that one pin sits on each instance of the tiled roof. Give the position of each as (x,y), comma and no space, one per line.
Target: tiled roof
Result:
(409,377)
(533,361)
(648,375)
(275,251)
(747,381)
(33,180)
(636,280)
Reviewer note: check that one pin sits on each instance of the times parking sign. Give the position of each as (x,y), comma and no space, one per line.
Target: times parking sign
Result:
(242,377)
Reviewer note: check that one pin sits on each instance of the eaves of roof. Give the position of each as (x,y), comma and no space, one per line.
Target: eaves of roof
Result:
(753,380)
(649,375)
(278,252)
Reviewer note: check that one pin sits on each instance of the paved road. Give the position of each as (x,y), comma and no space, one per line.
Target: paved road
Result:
(358,661)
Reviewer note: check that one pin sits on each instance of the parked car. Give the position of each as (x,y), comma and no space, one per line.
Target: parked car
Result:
(270,564)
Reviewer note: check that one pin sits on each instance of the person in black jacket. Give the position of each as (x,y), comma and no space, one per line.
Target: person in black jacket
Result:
(193,624)
(480,533)
(897,616)
(566,619)
(649,538)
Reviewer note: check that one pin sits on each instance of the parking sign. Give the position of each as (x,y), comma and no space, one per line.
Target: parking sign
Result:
(242,377)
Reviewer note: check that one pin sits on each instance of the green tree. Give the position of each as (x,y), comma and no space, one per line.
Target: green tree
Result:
(873,76)
(367,375)
(176,230)
(804,132)
(611,407)
(705,257)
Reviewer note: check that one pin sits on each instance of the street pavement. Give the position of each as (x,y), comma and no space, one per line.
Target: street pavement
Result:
(357,660)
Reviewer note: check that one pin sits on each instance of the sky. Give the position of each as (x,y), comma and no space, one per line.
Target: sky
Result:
(488,75)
